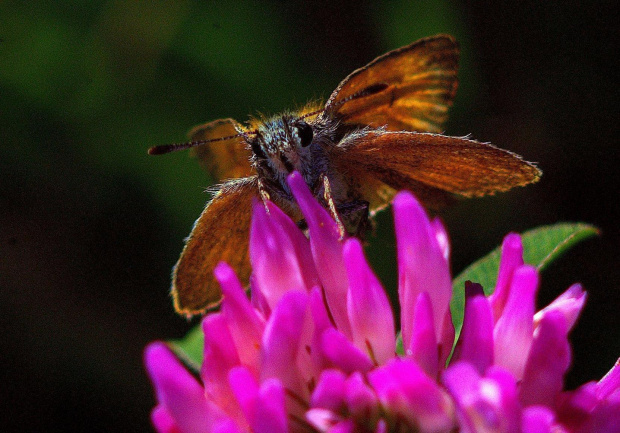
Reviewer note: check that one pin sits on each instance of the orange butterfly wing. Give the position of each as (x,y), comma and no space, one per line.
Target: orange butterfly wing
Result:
(223,159)
(430,165)
(221,233)
(410,88)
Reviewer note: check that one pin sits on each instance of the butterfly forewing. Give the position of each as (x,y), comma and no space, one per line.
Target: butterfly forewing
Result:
(221,233)
(416,85)
(223,159)
(430,164)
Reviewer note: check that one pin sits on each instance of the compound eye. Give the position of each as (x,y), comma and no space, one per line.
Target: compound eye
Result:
(305,133)
(258,150)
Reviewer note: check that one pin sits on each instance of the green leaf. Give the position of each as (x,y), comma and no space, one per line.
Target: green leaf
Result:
(189,349)
(400,350)
(537,243)
(541,246)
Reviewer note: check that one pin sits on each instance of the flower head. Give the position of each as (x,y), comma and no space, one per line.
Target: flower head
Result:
(314,349)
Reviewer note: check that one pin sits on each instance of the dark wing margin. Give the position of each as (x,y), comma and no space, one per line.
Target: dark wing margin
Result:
(221,233)
(408,89)
(223,159)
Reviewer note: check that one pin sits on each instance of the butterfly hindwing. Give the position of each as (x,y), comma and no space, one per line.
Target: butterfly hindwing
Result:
(221,233)
(223,159)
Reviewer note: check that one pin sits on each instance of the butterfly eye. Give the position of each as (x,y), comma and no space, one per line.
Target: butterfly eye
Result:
(305,133)
(258,150)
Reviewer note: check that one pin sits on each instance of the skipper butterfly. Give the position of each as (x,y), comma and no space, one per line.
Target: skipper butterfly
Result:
(378,133)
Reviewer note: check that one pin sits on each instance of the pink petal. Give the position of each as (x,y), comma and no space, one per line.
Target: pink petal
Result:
(573,408)
(423,345)
(370,313)
(406,392)
(549,359)
(511,259)
(513,331)
(361,400)
(263,406)
(444,348)
(319,313)
(476,341)
(219,357)
(584,411)
(381,427)
(344,426)
(570,303)
(270,414)
(326,250)
(593,407)
(300,243)
(422,266)
(342,353)
(605,417)
(322,419)
(258,299)
(163,421)
(245,388)
(483,403)
(178,392)
(461,379)
(441,235)
(282,341)
(329,391)
(321,323)
(276,266)
(610,383)
(537,419)
(245,326)
(511,410)
(226,426)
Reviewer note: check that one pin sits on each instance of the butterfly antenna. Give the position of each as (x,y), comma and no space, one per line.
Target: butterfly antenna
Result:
(167,148)
(310,114)
(367,91)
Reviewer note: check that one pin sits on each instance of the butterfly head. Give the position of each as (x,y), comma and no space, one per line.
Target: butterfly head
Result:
(282,145)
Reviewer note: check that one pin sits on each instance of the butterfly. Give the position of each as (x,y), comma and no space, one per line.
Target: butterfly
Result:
(379,132)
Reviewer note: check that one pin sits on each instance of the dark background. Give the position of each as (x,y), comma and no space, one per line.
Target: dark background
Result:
(90,225)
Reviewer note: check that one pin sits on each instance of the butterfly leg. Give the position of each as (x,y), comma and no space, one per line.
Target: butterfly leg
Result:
(264,195)
(356,217)
(329,199)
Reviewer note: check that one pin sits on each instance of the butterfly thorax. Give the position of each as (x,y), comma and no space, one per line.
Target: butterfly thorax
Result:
(286,143)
